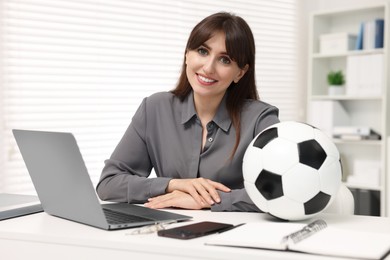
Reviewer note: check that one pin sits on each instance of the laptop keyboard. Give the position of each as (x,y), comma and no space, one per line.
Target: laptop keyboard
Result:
(114,217)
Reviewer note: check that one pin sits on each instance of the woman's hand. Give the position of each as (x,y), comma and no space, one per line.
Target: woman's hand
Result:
(177,199)
(204,191)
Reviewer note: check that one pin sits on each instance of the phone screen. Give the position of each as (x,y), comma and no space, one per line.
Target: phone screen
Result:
(194,230)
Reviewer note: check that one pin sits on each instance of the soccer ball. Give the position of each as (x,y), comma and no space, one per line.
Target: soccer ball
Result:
(292,170)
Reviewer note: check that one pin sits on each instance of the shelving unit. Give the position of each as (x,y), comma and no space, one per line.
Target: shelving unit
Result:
(369,110)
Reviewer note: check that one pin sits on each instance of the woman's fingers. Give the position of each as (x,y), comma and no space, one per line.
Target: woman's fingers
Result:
(195,194)
(177,199)
(204,191)
(219,186)
(208,190)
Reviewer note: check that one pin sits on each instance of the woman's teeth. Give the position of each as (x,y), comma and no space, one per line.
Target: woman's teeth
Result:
(206,79)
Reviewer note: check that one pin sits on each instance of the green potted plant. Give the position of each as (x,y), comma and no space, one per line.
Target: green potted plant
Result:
(336,82)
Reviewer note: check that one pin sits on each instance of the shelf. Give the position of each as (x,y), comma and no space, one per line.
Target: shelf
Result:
(346,11)
(343,97)
(358,142)
(348,53)
(366,98)
(362,186)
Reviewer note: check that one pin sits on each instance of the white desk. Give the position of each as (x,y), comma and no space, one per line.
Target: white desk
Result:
(41,236)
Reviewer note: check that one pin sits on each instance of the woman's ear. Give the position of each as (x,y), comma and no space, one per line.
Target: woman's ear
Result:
(241,73)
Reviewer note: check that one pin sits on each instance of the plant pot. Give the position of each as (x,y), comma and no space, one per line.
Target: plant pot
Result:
(336,90)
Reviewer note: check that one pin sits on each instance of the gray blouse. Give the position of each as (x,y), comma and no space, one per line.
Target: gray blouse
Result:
(166,134)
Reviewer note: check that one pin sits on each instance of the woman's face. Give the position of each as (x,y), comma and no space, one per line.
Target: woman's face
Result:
(210,70)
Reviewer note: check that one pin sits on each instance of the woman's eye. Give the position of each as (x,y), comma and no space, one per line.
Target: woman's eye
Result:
(202,51)
(225,60)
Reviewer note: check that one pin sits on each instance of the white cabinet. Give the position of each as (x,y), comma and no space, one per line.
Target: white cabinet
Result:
(365,105)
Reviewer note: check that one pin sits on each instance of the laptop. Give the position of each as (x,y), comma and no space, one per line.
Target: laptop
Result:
(63,185)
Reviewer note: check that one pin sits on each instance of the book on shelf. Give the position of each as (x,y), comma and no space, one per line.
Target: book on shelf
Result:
(16,205)
(359,40)
(358,130)
(315,238)
(355,133)
(348,137)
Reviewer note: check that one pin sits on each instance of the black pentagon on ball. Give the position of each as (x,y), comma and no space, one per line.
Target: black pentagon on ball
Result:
(311,153)
(265,137)
(317,203)
(269,185)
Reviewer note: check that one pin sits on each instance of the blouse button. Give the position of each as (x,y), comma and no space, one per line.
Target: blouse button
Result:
(210,139)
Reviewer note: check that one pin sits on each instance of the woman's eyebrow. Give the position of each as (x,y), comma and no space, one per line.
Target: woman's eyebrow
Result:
(208,47)
(205,45)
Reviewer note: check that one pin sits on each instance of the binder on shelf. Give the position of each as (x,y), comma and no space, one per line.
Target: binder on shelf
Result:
(315,238)
(324,114)
(16,205)
(364,75)
(367,202)
(373,34)
(365,173)
(379,30)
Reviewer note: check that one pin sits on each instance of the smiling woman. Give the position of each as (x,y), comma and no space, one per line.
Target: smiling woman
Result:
(210,70)
(196,135)
(210,73)
(84,67)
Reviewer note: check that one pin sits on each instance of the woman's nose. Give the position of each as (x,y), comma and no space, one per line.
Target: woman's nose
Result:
(209,66)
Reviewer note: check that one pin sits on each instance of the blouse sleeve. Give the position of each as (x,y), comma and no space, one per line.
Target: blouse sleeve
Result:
(238,199)
(125,175)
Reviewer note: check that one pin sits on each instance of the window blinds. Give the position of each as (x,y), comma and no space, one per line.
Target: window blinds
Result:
(84,66)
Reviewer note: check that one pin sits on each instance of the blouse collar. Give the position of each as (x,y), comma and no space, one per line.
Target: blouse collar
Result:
(221,118)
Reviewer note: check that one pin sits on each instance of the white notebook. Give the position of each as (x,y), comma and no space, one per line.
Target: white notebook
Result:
(315,238)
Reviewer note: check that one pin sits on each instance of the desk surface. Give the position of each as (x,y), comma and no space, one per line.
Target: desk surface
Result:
(46,237)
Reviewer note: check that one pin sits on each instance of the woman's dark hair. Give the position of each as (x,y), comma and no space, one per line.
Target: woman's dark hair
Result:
(240,47)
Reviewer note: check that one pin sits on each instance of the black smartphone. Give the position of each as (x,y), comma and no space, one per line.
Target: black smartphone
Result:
(194,230)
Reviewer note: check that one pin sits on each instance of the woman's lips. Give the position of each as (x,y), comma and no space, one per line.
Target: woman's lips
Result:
(205,80)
